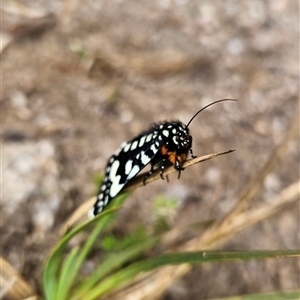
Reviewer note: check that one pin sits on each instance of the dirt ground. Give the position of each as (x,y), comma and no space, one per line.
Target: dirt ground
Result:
(80,77)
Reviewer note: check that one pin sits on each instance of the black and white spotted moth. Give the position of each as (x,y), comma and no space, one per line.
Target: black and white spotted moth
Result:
(162,145)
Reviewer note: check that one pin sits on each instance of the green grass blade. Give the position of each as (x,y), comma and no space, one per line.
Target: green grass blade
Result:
(70,280)
(100,223)
(65,274)
(54,262)
(50,282)
(180,258)
(112,263)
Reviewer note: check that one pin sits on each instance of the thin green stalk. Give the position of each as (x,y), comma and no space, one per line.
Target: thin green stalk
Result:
(180,258)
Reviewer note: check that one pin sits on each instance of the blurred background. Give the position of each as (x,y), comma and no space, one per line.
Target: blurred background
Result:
(81,77)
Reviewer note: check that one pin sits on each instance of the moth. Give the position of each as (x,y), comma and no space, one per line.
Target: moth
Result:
(161,145)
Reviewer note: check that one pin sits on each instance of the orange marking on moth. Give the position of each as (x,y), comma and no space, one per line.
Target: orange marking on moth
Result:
(172,157)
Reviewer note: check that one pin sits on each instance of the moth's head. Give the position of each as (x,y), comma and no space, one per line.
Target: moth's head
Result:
(179,136)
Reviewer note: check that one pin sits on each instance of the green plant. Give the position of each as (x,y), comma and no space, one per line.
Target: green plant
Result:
(62,278)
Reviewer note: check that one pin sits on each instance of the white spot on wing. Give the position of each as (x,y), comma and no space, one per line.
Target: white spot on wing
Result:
(128,167)
(149,137)
(133,172)
(142,141)
(145,158)
(126,148)
(134,145)
(113,171)
(115,179)
(115,187)
(100,204)
(91,214)
(153,148)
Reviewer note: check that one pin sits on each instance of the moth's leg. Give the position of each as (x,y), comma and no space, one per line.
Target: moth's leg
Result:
(163,164)
(192,154)
(178,167)
(161,171)
(148,174)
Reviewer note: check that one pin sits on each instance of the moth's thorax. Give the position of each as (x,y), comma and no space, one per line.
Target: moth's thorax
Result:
(176,136)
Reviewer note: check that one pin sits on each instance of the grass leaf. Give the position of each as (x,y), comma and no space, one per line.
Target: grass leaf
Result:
(52,286)
(112,263)
(128,273)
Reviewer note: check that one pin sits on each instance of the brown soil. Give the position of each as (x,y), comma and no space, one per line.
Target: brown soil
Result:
(90,74)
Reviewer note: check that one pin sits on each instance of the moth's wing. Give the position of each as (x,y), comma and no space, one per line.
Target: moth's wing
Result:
(124,165)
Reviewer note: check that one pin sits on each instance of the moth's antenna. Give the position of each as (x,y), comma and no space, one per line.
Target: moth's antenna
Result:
(199,111)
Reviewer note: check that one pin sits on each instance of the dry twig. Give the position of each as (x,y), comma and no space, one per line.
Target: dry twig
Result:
(12,284)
